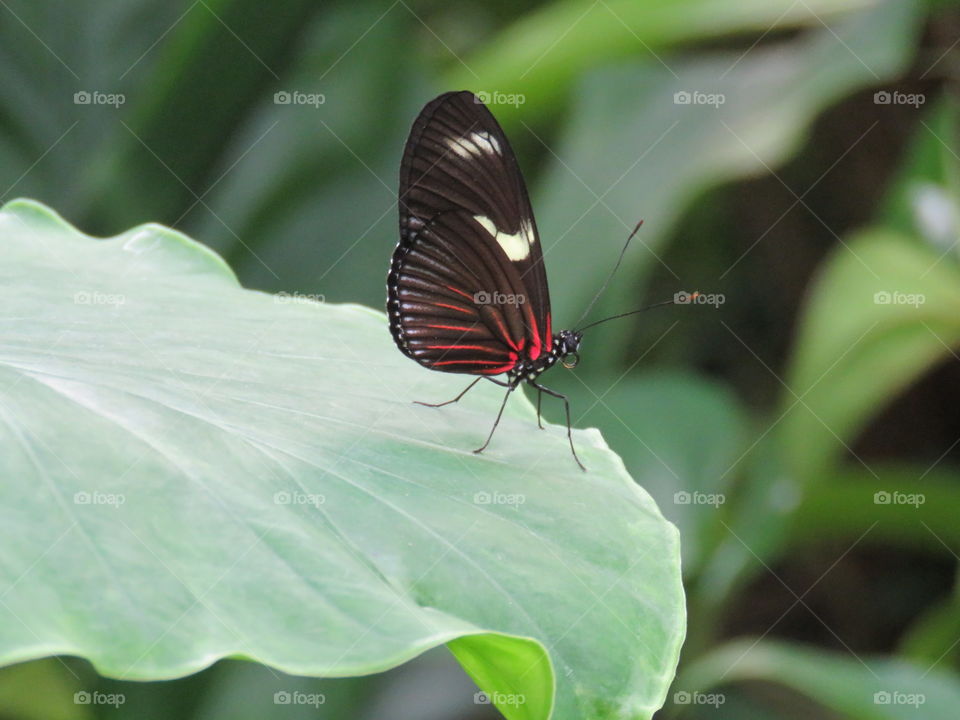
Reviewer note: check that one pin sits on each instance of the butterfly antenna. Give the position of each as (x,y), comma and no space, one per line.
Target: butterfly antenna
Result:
(690,298)
(610,276)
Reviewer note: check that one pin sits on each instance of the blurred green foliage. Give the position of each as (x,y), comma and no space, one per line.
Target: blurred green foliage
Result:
(799,198)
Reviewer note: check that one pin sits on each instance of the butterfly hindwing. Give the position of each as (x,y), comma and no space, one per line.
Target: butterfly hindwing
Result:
(467,287)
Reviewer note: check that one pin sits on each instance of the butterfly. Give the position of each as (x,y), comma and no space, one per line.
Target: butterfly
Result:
(467,288)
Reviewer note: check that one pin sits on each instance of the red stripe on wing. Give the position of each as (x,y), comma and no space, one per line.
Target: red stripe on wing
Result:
(454,307)
(466,362)
(456,327)
(498,370)
(463,347)
(536,346)
(488,371)
(460,292)
(504,333)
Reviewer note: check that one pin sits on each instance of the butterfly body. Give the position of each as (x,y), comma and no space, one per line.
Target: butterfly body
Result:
(565,344)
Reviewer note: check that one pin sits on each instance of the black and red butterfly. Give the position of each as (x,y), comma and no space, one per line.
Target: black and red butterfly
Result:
(467,289)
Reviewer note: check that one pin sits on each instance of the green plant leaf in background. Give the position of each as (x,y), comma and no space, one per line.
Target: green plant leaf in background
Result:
(312,204)
(900,315)
(847,508)
(931,638)
(153,136)
(593,190)
(541,56)
(629,151)
(194,471)
(857,353)
(880,312)
(924,200)
(865,688)
(39,691)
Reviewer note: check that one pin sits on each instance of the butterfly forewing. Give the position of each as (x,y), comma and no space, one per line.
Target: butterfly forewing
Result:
(467,288)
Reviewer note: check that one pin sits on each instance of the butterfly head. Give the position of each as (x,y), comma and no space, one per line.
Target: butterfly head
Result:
(568,348)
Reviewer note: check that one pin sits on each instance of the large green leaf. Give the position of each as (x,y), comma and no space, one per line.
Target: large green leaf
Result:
(867,688)
(192,471)
(683,435)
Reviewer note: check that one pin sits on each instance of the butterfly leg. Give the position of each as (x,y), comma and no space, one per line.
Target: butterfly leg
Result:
(566,405)
(496,422)
(449,402)
(539,398)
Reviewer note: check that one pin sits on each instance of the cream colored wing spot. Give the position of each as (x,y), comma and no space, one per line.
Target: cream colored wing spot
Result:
(486,142)
(479,143)
(457,146)
(516,246)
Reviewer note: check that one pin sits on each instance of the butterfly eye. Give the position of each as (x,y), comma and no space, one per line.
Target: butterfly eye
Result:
(568,363)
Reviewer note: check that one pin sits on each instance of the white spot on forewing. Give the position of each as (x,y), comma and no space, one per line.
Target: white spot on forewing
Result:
(470,145)
(487,224)
(486,142)
(480,143)
(458,148)
(516,245)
